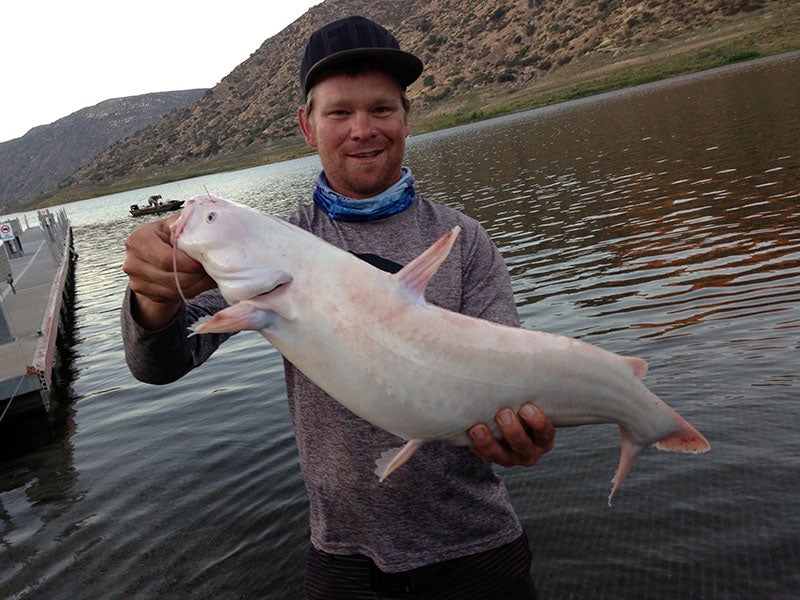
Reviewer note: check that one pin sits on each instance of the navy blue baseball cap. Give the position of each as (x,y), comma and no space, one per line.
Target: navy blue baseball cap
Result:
(352,38)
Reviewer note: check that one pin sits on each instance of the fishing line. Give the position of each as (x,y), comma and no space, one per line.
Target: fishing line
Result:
(11,399)
(174,243)
(175,273)
(174,234)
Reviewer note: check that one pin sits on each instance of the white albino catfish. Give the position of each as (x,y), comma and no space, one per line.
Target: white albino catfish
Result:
(418,371)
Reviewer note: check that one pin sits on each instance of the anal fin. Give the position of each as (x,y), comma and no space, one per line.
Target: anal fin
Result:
(629,452)
(395,458)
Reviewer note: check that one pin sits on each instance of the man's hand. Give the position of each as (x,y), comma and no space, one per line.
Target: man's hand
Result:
(523,444)
(148,264)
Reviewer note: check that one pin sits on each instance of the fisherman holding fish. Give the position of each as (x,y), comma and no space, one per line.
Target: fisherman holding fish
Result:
(444,527)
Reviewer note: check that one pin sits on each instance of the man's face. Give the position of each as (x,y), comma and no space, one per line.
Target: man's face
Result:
(358,124)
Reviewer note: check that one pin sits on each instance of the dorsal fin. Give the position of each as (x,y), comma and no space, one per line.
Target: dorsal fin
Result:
(416,274)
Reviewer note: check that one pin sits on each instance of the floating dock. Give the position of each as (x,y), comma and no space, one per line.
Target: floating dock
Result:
(36,307)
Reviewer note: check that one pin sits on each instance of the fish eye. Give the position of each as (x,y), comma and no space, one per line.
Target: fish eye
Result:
(211,216)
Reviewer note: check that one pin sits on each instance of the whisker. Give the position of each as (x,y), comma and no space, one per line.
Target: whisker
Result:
(175,272)
(175,232)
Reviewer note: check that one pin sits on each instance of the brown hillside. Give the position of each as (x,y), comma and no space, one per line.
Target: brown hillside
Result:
(486,47)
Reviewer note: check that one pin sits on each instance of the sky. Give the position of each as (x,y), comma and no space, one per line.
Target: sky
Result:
(59,56)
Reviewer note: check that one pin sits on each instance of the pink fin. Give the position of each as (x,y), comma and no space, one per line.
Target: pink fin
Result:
(637,365)
(395,458)
(685,438)
(416,274)
(241,316)
(629,452)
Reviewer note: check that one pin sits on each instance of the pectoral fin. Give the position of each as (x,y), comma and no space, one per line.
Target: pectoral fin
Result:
(242,316)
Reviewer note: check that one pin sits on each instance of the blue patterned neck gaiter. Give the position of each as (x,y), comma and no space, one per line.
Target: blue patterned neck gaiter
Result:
(341,208)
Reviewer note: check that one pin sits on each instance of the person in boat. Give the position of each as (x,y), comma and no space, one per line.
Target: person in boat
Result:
(444,527)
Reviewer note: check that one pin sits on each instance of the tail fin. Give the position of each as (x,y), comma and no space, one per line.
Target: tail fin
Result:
(685,438)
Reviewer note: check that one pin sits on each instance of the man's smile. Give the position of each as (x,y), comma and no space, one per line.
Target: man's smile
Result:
(367,154)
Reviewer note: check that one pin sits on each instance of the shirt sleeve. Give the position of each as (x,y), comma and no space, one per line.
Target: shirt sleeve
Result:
(165,355)
(487,292)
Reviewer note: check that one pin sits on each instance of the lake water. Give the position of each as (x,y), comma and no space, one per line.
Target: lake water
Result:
(660,221)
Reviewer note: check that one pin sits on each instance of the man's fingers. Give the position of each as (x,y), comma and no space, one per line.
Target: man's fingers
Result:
(151,264)
(516,436)
(487,447)
(539,426)
(525,438)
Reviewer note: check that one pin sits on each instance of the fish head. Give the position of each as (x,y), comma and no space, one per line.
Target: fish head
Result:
(234,245)
(205,226)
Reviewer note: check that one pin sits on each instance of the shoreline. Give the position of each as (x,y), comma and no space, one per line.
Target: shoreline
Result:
(758,35)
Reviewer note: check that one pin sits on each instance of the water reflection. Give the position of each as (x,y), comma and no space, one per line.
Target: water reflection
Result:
(661,221)
(640,200)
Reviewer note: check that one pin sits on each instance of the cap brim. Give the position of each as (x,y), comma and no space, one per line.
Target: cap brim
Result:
(404,65)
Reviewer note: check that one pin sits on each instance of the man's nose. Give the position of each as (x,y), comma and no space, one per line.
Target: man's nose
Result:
(363,125)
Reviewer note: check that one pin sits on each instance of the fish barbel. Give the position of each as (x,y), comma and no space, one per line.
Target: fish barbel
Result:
(420,372)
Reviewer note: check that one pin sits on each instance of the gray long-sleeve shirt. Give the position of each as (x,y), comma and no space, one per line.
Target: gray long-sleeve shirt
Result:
(445,502)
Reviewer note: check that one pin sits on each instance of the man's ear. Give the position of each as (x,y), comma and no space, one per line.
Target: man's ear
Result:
(305,127)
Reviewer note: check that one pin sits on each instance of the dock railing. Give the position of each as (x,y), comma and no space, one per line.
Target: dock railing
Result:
(59,238)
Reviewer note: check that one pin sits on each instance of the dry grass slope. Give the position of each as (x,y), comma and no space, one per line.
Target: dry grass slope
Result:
(483,58)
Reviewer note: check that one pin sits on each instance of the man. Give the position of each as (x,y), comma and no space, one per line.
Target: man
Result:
(441,527)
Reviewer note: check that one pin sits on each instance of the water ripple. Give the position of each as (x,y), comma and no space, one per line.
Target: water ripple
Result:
(660,221)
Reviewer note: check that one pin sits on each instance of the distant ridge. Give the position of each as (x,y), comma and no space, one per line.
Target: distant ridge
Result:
(476,53)
(45,155)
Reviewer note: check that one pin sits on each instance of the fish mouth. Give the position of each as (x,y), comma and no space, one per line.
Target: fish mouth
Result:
(245,288)
(176,228)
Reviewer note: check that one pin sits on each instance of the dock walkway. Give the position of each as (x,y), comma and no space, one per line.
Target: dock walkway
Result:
(32,310)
